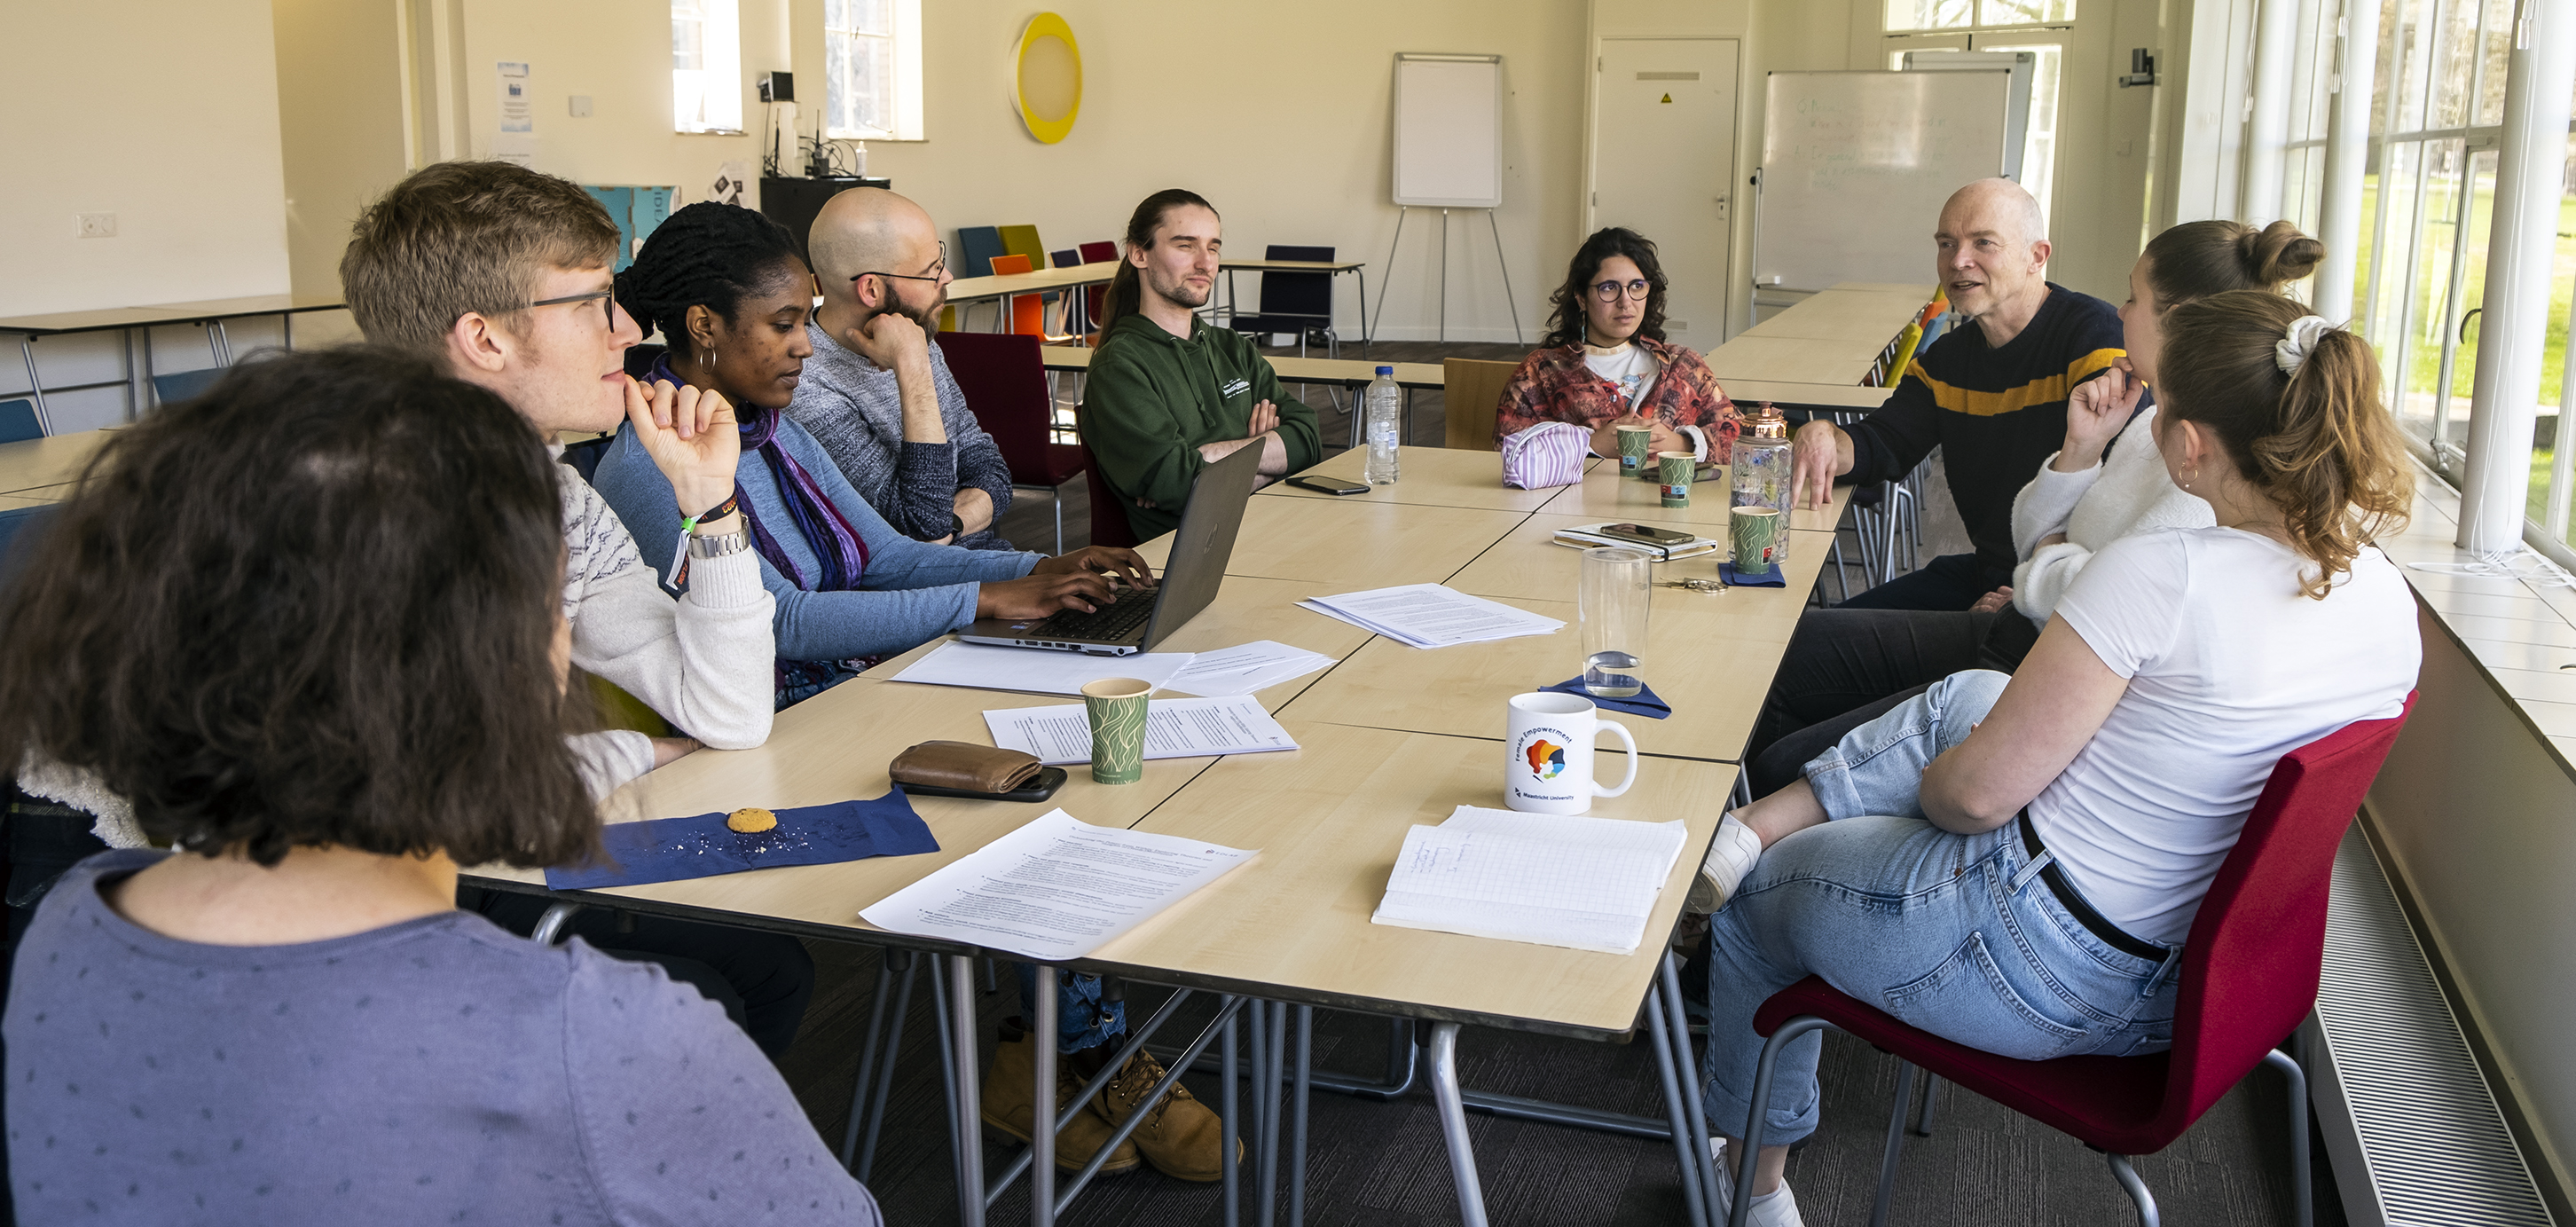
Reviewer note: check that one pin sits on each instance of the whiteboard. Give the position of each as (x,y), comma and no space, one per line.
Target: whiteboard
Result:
(1449,130)
(1856,167)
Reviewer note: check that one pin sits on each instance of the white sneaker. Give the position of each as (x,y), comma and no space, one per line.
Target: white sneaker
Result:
(1777,1209)
(1731,856)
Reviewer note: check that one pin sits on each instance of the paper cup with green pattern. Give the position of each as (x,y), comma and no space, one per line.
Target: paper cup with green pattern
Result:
(1636,449)
(1117,709)
(1677,469)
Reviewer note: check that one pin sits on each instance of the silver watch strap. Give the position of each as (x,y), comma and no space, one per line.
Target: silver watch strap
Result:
(723,545)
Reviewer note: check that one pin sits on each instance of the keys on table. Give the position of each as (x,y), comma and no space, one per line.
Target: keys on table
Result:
(1695,585)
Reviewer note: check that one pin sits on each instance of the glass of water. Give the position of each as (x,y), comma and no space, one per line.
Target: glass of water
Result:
(1611,608)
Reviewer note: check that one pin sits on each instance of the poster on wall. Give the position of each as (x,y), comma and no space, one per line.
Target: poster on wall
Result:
(516,139)
(732,184)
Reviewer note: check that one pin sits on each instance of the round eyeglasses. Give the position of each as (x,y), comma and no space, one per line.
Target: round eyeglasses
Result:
(1608,291)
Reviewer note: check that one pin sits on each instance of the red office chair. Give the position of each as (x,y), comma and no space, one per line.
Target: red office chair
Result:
(1109,524)
(1095,299)
(2249,975)
(1005,383)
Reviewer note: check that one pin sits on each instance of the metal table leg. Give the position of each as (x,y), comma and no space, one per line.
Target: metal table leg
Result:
(969,1138)
(1042,1107)
(1226,1122)
(868,1058)
(885,1070)
(550,926)
(1453,1123)
(1694,1197)
(1669,979)
(1297,1114)
(35,386)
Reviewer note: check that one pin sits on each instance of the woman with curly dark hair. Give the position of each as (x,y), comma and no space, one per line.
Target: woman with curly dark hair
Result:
(311,624)
(1605,363)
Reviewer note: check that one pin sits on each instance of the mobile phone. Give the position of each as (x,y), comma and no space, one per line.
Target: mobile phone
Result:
(1328,485)
(1640,532)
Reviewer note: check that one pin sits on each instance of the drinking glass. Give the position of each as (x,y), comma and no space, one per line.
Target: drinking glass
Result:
(1611,608)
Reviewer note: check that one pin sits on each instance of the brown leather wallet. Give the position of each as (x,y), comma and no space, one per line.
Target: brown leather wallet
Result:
(964,766)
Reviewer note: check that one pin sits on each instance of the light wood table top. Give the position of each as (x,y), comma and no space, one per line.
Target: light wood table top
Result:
(1329,820)
(51,461)
(1347,372)
(1035,281)
(1291,266)
(1844,315)
(1919,291)
(1604,495)
(835,747)
(1711,655)
(110,318)
(1826,360)
(1431,476)
(1343,545)
(1747,393)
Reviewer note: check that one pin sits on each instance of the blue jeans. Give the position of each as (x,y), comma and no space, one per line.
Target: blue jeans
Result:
(1954,934)
(1085,1015)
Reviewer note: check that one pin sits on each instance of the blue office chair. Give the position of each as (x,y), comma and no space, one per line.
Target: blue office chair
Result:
(18,421)
(184,385)
(20,528)
(976,247)
(1295,302)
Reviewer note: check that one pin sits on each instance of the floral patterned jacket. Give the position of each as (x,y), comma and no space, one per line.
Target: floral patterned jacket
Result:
(1553,385)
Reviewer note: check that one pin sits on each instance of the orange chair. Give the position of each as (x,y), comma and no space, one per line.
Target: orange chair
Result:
(1028,311)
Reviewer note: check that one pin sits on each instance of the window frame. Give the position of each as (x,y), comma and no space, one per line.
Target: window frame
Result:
(904,61)
(719,89)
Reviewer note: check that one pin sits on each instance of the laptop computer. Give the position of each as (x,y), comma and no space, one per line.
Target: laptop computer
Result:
(1201,547)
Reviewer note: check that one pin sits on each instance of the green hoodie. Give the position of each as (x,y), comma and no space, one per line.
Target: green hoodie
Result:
(1150,399)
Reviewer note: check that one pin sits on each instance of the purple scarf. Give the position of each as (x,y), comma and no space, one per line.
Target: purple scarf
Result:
(843,555)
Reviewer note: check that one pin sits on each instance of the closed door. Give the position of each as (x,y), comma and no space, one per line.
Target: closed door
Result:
(1663,165)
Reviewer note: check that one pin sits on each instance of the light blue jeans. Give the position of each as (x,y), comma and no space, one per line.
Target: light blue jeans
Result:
(1954,934)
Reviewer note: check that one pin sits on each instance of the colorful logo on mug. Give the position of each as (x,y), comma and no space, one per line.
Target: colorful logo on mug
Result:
(1546,758)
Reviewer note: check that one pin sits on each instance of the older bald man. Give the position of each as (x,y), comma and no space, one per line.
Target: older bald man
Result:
(877,393)
(1995,393)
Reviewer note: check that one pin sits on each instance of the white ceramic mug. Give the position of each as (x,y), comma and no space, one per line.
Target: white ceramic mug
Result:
(1547,768)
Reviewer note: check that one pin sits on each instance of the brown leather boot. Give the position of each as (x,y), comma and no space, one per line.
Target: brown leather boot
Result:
(1180,1136)
(1008,1087)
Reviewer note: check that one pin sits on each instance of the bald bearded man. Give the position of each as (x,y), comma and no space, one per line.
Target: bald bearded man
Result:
(1995,393)
(877,394)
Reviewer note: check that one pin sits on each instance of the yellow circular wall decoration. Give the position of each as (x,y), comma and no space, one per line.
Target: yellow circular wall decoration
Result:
(1046,78)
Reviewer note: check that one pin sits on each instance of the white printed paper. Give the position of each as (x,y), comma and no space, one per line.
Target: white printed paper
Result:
(986,667)
(1246,669)
(1054,890)
(1174,728)
(1431,615)
(1552,880)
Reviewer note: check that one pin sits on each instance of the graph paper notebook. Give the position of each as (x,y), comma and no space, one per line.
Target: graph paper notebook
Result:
(1584,883)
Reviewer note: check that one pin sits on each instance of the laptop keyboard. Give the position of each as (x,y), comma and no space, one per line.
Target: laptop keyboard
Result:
(1111,623)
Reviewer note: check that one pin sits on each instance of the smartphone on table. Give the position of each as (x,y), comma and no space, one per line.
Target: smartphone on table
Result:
(1646,534)
(1328,485)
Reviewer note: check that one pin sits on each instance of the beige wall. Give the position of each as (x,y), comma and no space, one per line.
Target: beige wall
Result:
(341,126)
(160,112)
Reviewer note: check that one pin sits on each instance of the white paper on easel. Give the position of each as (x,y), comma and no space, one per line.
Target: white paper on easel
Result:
(1054,890)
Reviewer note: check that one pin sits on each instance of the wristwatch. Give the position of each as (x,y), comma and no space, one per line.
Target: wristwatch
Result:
(722,545)
(956,526)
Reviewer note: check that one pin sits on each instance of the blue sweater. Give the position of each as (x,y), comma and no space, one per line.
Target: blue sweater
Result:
(913,592)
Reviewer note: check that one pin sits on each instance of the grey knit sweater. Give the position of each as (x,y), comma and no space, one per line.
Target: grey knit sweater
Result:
(855,409)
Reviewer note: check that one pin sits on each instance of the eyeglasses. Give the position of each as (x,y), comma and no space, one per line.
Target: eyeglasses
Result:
(607,302)
(1608,291)
(938,270)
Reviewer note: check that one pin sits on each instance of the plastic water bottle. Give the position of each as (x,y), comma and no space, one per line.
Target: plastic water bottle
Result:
(1384,408)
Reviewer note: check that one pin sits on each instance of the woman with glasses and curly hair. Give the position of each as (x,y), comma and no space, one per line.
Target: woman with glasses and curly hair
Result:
(1605,363)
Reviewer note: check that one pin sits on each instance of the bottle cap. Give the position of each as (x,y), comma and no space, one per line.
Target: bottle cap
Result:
(1386,370)
(1768,424)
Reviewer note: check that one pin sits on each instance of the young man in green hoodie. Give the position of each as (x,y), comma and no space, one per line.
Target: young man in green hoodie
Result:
(1167,395)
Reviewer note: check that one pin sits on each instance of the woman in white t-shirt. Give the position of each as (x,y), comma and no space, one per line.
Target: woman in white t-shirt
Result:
(1907,867)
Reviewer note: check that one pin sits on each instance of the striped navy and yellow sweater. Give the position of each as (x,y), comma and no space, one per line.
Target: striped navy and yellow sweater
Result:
(1996,413)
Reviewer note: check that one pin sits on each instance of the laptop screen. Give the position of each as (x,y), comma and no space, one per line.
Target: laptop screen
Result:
(1204,543)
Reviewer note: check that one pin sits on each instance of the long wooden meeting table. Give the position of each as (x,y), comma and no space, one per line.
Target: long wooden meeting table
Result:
(1389,736)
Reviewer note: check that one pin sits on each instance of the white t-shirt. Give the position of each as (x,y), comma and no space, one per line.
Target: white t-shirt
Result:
(1629,367)
(2229,668)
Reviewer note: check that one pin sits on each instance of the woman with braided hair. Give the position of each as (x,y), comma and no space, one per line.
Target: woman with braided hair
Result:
(2015,867)
(731,295)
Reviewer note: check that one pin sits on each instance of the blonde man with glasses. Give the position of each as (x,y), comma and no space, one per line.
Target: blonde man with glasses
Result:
(877,393)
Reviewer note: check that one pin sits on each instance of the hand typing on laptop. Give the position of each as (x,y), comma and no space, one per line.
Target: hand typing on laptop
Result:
(1079,580)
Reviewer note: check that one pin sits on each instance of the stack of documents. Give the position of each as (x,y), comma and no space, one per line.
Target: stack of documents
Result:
(1242,670)
(986,667)
(1174,728)
(1431,615)
(1054,890)
(1590,536)
(1548,879)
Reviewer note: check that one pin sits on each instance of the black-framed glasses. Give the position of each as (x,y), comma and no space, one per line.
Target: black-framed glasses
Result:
(938,270)
(607,303)
(1608,291)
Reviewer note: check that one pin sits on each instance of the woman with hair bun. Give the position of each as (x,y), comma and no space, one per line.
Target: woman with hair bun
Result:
(730,294)
(2103,484)
(2177,669)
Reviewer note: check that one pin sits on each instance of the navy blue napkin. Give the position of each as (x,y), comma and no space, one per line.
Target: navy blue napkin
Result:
(1769,577)
(1643,703)
(677,849)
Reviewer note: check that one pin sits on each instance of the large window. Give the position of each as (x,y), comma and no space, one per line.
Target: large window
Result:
(706,66)
(872,69)
(2037,26)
